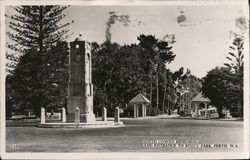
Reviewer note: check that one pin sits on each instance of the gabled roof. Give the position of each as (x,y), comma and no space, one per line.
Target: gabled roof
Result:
(139,99)
(200,98)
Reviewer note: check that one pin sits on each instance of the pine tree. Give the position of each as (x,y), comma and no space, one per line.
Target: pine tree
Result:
(39,78)
(35,27)
(158,53)
(236,65)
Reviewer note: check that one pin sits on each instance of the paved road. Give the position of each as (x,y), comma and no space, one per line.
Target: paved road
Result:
(152,135)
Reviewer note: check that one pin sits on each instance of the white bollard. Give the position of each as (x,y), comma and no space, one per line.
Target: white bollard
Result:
(77,115)
(135,111)
(104,114)
(63,115)
(42,115)
(117,115)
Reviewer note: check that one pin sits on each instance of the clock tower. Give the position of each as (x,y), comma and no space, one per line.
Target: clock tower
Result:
(80,81)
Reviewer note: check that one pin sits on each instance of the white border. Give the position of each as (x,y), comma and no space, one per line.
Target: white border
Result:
(124,2)
(124,155)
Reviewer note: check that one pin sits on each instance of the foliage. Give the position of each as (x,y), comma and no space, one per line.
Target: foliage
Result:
(224,85)
(40,76)
(35,27)
(236,65)
(115,77)
(121,72)
(185,83)
(219,86)
(40,82)
(153,111)
(156,54)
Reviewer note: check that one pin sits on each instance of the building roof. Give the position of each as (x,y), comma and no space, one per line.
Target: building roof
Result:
(200,98)
(139,99)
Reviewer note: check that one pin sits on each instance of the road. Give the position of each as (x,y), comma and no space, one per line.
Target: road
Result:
(150,135)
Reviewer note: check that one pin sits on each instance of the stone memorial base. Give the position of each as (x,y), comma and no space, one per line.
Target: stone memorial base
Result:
(86,118)
(96,124)
(78,120)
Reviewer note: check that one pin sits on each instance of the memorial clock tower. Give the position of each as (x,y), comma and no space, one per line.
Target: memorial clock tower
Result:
(80,81)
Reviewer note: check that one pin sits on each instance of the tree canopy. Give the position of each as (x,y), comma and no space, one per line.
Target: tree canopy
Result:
(37,46)
(224,85)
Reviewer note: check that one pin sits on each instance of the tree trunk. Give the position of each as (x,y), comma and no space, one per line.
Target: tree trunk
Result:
(168,106)
(171,105)
(157,92)
(164,97)
(151,92)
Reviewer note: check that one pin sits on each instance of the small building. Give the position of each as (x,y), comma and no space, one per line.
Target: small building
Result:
(140,101)
(200,103)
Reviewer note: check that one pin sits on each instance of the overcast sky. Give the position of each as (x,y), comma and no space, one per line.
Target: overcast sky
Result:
(202,32)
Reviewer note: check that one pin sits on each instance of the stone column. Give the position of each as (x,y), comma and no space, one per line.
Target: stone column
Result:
(104,114)
(80,81)
(190,103)
(134,111)
(42,115)
(137,111)
(196,110)
(117,115)
(205,110)
(143,110)
(63,115)
(89,116)
(77,115)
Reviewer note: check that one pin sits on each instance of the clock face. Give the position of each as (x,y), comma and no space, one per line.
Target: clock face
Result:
(78,57)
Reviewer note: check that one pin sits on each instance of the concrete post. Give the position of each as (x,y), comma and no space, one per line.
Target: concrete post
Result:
(134,111)
(196,110)
(63,115)
(205,110)
(137,111)
(77,115)
(117,115)
(143,110)
(104,114)
(42,115)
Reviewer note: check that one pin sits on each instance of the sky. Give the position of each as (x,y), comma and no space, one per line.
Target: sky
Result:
(202,32)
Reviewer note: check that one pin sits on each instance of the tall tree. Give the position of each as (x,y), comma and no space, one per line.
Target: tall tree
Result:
(117,79)
(39,83)
(38,79)
(157,53)
(35,27)
(187,86)
(236,65)
(219,87)
(121,72)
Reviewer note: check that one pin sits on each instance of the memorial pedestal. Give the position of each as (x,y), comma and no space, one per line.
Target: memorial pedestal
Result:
(88,118)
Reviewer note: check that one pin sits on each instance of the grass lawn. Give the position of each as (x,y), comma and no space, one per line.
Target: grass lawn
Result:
(131,138)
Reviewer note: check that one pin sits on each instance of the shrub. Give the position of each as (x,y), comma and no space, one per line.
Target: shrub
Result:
(153,111)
